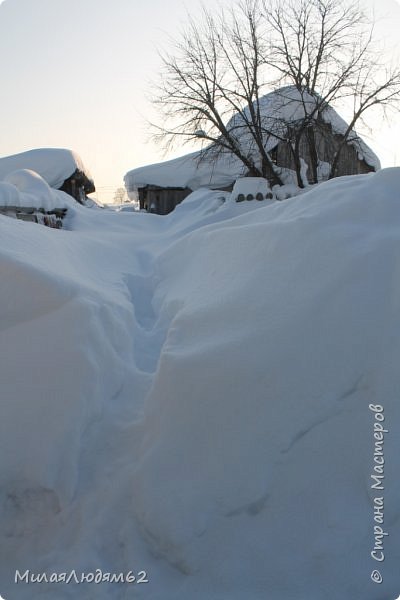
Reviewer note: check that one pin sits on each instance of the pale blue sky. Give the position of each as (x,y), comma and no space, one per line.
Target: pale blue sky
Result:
(75,74)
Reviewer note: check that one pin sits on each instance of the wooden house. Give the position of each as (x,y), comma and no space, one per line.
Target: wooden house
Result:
(62,169)
(162,186)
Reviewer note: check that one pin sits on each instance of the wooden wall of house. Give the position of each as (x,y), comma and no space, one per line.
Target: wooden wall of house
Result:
(77,186)
(326,143)
(349,163)
(161,200)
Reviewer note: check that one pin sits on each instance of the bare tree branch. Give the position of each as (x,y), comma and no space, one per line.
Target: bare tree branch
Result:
(213,81)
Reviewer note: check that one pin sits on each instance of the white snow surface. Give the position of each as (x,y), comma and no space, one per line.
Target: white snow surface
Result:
(189,396)
(54,165)
(25,188)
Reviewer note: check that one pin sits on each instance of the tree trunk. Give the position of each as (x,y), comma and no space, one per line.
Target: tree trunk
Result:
(297,161)
(269,173)
(313,154)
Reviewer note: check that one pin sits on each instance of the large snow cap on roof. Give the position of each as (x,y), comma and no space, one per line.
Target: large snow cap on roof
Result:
(188,171)
(54,165)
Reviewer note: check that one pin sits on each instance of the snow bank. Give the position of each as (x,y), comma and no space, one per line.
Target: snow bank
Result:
(251,187)
(28,189)
(191,395)
(259,437)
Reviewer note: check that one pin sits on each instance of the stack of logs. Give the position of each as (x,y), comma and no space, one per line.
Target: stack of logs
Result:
(259,196)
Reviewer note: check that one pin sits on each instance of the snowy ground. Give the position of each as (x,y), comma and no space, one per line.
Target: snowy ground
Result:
(190,396)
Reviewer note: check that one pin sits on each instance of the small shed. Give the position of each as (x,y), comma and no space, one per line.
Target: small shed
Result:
(62,169)
(30,185)
(162,186)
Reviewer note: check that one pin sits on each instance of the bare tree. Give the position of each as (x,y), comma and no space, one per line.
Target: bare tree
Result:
(326,49)
(120,196)
(213,83)
(213,76)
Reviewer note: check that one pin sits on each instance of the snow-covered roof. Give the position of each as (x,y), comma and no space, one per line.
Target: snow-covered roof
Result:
(187,171)
(278,108)
(54,165)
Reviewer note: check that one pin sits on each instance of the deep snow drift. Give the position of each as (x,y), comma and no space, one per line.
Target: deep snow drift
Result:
(190,396)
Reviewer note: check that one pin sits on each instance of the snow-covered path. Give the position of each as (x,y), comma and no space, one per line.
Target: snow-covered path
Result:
(190,396)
